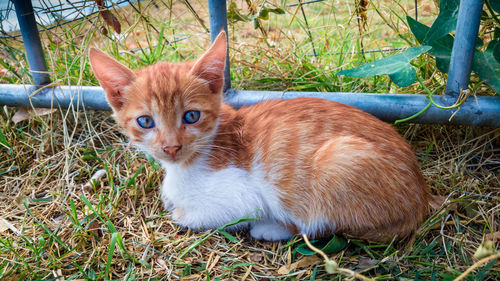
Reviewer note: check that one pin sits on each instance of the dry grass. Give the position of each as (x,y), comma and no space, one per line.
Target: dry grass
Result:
(54,226)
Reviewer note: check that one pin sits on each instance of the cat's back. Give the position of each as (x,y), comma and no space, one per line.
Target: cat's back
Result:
(311,121)
(334,163)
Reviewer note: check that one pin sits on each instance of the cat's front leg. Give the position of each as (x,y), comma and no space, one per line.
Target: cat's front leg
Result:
(269,231)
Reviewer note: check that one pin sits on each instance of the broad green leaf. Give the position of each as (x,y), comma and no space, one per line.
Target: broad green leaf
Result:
(487,67)
(329,245)
(445,22)
(496,50)
(484,64)
(441,48)
(397,66)
(404,76)
(496,33)
(495,5)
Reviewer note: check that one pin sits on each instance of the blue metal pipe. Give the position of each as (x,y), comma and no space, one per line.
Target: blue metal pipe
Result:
(217,13)
(76,97)
(464,46)
(480,111)
(32,44)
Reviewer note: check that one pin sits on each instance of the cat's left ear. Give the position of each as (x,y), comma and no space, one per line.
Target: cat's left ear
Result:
(210,65)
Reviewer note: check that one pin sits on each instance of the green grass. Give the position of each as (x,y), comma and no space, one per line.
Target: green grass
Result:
(116,227)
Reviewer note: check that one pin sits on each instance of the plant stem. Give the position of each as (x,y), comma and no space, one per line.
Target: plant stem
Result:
(477,264)
(345,271)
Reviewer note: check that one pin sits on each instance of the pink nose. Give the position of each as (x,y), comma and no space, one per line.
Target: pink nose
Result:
(172,150)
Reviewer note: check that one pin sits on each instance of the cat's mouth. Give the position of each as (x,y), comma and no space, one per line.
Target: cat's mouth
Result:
(172,155)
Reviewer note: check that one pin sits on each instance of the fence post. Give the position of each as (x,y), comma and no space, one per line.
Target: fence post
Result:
(217,12)
(32,44)
(464,46)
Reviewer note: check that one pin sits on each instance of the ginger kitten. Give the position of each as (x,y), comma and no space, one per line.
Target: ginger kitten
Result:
(303,166)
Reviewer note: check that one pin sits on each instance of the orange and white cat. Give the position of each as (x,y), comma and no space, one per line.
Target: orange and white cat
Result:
(303,166)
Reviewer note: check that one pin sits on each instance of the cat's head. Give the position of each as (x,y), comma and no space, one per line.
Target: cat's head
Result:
(168,110)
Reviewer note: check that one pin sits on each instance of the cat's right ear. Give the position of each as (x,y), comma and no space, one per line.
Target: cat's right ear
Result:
(210,65)
(113,76)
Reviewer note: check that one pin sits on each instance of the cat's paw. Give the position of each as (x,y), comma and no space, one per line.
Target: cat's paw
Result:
(269,231)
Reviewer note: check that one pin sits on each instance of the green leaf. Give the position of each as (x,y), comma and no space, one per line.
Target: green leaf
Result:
(441,48)
(329,245)
(3,140)
(229,236)
(445,22)
(496,50)
(397,66)
(199,241)
(484,272)
(112,246)
(487,67)
(495,5)
(234,15)
(496,33)
(401,77)
(263,12)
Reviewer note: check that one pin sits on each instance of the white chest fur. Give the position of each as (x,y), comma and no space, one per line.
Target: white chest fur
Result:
(203,198)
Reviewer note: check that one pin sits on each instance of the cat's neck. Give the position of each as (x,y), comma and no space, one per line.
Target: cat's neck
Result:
(230,143)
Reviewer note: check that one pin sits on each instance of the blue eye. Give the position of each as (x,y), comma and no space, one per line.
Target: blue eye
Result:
(191,117)
(146,122)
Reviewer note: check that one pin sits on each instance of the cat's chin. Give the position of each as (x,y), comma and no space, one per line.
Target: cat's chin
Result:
(169,161)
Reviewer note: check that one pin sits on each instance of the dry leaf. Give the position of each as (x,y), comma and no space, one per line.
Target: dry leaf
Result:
(486,249)
(59,275)
(163,265)
(24,113)
(111,20)
(437,201)
(366,264)
(97,176)
(191,277)
(103,30)
(108,17)
(256,257)
(495,236)
(4,225)
(213,263)
(304,262)
(95,228)
(22,200)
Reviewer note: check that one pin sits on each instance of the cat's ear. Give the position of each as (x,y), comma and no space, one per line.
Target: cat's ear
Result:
(210,65)
(113,76)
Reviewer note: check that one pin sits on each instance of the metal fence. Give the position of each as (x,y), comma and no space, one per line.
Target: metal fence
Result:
(481,110)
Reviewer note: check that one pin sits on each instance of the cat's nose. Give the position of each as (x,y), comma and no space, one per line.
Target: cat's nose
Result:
(172,150)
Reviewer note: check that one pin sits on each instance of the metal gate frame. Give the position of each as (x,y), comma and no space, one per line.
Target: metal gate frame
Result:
(481,110)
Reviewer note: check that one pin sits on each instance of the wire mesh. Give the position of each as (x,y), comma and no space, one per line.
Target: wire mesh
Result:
(303,25)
